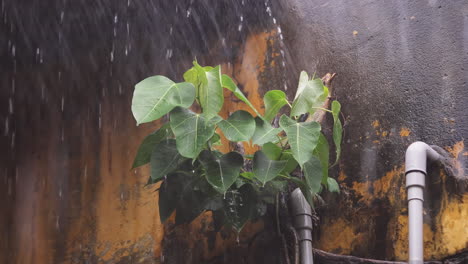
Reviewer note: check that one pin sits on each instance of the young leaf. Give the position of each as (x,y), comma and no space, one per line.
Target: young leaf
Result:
(264,132)
(291,163)
(322,151)
(210,93)
(266,169)
(143,155)
(192,131)
(272,151)
(215,140)
(164,159)
(313,174)
(310,93)
(229,84)
(156,96)
(274,100)
(333,185)
(247,175)
(191,76)
(221,172)
(240,126)
(337,129)
(303,138)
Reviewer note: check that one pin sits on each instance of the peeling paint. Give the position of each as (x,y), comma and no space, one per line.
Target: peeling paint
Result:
(404,132)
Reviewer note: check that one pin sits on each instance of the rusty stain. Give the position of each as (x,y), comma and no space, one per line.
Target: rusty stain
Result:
(459,160)
(340,236)
(404,132)
(376,123)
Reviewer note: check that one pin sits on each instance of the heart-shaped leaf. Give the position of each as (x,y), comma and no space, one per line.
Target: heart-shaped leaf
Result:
(264,132)
(143,155)
(229,84)
(156,96)
(191,130)
(337,129)
(240,126)
(322,151)
(165,159)
(239,206)
(309,94)
(313,174)
(274,100)
(266,169)
(170,193)
(221,172)
(210,94)
(303,137)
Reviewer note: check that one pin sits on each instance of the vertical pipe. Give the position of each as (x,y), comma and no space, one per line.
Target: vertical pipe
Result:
(306,252)
(415,229)
(302,214)
(416,158)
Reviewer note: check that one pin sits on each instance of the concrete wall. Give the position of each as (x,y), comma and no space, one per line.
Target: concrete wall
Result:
(67,71)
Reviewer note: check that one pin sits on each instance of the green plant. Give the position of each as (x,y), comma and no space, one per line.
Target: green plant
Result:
(235,186)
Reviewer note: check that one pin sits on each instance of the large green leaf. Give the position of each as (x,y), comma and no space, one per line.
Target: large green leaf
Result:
(337,129)
(156,96)
(164,159)
(309,94)
(313,174)
(143,155)
(240,126)
(264,132)
(239,206)
(266,169)
(229,84)
(191,204)
(274,100)
(210,94)
(322,151)
(191,130)
(221,172)
(302,137)
(170,193)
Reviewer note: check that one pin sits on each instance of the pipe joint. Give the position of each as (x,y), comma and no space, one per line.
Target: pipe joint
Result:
(415,178)
(417,155)
(416,193)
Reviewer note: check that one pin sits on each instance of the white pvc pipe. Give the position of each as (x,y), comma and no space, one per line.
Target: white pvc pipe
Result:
(416,158)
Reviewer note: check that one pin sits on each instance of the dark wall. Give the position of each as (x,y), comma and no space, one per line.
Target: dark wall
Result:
(67,71)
